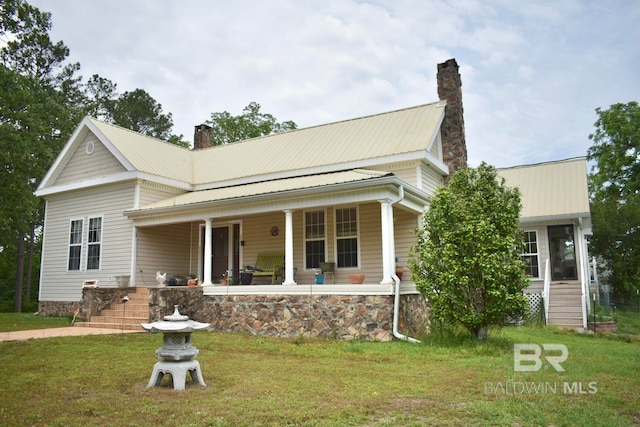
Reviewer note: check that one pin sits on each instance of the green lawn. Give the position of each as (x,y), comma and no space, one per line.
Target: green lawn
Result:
(101,381)
(25,321)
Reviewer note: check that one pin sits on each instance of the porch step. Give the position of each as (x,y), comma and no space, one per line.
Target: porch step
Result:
(565,305)
(126,315)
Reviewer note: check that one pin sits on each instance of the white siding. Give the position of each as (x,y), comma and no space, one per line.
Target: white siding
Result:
(407,174)
(431,179)
(151,192)
(405,226)
(256,234)
(58,284)
(82,166)
(166,249)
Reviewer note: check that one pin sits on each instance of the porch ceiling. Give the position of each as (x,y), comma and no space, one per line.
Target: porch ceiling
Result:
(244,197)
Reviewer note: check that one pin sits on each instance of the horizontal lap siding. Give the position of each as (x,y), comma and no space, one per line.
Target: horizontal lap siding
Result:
(370,231)
(407,174)
(431,179)
(177,248)
(405,226)
(151,192)
(166,249)
(58,284)
(256,234)
(84,166)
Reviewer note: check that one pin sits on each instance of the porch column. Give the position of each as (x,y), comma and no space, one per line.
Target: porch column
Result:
(288,249)
(134,255)
(207,252)
(388,243)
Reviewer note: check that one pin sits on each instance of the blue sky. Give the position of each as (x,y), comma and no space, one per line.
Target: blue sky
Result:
(533,72)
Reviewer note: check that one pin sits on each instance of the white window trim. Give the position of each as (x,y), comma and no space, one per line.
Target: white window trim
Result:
(101,242)
(357,236)
(69,244)
(305,240)
(537,254)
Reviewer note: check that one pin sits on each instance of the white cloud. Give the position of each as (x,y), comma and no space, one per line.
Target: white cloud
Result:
(533,72)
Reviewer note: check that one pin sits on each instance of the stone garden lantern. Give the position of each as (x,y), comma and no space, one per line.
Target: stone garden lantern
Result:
(177,355)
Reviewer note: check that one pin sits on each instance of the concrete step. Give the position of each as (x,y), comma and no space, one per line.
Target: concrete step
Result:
(122,326)
(111,319)
(126,315)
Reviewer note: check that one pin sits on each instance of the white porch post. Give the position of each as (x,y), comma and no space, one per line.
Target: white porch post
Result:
(288,249)
(207,252)
(134,256)
(388,244)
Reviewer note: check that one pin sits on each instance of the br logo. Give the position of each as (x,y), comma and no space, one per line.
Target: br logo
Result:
(527,357)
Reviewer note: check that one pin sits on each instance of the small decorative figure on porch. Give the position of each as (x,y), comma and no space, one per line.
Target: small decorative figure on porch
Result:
(161,278)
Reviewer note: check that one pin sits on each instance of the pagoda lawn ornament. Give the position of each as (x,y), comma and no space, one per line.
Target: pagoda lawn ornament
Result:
(177,355)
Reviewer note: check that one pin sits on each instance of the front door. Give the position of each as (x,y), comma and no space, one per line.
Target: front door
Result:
(219,252)
(563,253)
(221,245)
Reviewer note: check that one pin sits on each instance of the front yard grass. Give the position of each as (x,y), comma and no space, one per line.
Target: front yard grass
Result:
(262,381)
(25,321)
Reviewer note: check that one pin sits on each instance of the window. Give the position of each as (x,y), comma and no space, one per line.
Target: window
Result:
(75,245)
(347,237)
(314,236)
(530,254)
(94,243)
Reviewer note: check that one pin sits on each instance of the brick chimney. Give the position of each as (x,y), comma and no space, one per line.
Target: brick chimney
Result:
(202,137)
(454,147)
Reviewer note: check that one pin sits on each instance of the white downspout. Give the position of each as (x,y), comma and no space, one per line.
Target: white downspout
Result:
(396,299)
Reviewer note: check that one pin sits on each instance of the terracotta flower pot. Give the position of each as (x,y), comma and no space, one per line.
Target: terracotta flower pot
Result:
(356,279)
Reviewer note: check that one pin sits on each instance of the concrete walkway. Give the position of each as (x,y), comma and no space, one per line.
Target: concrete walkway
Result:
(61,332)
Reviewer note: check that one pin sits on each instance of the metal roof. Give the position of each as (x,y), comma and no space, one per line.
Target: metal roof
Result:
(261,188)
(551,189)
(410,130)
(147,154)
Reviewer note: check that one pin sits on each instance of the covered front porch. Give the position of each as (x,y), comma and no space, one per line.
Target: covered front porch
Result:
(364,226)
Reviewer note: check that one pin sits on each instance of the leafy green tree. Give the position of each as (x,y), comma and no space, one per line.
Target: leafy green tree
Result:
(138,111)
(36,115)
(101,97)
(467,258)
(250,124)
(614,184)
(135,110)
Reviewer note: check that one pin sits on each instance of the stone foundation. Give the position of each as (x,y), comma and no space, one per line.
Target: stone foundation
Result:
(336,316)
(57,308)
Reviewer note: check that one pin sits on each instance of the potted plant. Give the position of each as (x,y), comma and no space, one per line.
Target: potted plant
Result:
(246,277)
(319,276)
(399,270)
(356,279)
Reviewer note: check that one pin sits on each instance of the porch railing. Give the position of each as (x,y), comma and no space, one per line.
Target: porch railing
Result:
(545,290)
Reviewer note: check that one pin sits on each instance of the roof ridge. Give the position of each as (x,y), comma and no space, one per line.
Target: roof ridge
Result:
(327,124)
(138,134)
(550,162)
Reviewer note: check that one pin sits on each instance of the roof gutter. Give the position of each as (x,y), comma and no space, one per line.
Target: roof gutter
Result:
(396,299)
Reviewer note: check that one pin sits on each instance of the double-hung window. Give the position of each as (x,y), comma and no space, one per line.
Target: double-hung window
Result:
(530,254)
(314,238)
(94,243)
(347,237)
(75,245)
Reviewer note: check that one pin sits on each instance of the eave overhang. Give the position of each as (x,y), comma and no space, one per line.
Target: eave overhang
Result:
(384,187)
